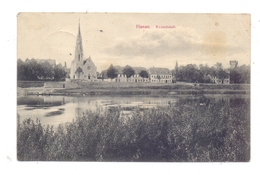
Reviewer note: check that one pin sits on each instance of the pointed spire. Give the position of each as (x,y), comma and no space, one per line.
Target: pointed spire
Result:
(79,34)
(79,48)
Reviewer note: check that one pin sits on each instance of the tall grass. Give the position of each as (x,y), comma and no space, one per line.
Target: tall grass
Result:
(187,131)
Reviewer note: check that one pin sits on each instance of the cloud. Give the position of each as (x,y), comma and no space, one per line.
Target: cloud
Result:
(180,42)
(156,43)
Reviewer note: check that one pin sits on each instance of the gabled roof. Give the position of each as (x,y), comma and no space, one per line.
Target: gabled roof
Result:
(88,59)
(158,70)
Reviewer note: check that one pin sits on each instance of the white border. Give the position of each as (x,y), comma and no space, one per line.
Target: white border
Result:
(9,10)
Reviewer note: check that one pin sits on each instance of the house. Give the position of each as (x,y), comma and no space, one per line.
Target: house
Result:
(221,81)
(160,75)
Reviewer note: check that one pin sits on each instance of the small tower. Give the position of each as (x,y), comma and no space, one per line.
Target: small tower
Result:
(233,64)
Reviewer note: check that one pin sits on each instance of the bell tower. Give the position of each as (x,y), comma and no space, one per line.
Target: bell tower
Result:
(79,49)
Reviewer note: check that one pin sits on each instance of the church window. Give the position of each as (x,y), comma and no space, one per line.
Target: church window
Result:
(88,76)
(79,57)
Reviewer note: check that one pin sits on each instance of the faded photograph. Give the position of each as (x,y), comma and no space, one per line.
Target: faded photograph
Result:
(133,87)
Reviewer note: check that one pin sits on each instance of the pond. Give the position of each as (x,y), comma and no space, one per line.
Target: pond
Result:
(54,110)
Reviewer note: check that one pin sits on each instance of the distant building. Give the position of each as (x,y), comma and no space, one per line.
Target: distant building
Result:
(160,75)
(135,78)
(155,75)
(221,81)
(81,68)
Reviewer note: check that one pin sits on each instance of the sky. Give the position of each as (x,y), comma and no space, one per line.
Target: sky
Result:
(114,38)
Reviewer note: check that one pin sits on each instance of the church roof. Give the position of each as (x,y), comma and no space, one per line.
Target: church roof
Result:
(88,59)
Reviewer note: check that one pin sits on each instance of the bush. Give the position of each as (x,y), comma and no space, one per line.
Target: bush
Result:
(189,131)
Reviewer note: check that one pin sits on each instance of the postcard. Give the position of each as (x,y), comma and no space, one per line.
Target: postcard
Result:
(133,87)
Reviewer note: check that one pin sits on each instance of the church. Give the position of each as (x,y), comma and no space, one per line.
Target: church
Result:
(82,68)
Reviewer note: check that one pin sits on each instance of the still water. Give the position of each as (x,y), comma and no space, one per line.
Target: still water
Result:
(54,110)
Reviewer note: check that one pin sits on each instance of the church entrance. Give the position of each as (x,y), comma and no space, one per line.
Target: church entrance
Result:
(78,73)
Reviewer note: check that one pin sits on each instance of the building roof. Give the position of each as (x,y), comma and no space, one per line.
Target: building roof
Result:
(158,70)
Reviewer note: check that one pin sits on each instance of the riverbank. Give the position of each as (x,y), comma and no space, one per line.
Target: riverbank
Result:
(148,89)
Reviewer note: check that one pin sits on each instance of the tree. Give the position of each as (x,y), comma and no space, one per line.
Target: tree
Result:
(240,75)
(190,73)
(218,65)
(128,71)
(47,71)
(206,73)
(112,72)
(59,73)
(143,74)
(220,73)
(31,69)
(20,70)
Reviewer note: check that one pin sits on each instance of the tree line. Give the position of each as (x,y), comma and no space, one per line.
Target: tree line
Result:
(112,72)
(205,74)
(31,70)
(192,73)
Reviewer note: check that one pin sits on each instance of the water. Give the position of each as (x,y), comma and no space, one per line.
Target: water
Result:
(54,110)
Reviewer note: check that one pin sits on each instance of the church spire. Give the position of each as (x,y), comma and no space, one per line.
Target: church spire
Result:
(79,34)
(79,48)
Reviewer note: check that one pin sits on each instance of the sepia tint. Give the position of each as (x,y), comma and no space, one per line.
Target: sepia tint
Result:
(133,87)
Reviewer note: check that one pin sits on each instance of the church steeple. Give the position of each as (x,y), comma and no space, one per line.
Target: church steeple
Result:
(79,34)
(79,48)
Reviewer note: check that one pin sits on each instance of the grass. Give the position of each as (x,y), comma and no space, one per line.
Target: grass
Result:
(141,88)
(171,86)
(152,89)
(26,84)
(187,131)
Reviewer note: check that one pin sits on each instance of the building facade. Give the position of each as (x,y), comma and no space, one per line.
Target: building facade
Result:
(81,68)
(160,75)
(155,75)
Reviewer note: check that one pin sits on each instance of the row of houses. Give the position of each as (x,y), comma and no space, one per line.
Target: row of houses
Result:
(155,75)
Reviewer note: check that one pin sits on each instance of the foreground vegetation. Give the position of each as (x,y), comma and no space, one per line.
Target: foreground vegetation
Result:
(188,131)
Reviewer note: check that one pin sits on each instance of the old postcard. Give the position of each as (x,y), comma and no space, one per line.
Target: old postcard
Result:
(133,87)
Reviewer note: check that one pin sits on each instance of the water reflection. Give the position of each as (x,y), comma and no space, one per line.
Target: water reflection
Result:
(61,109)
